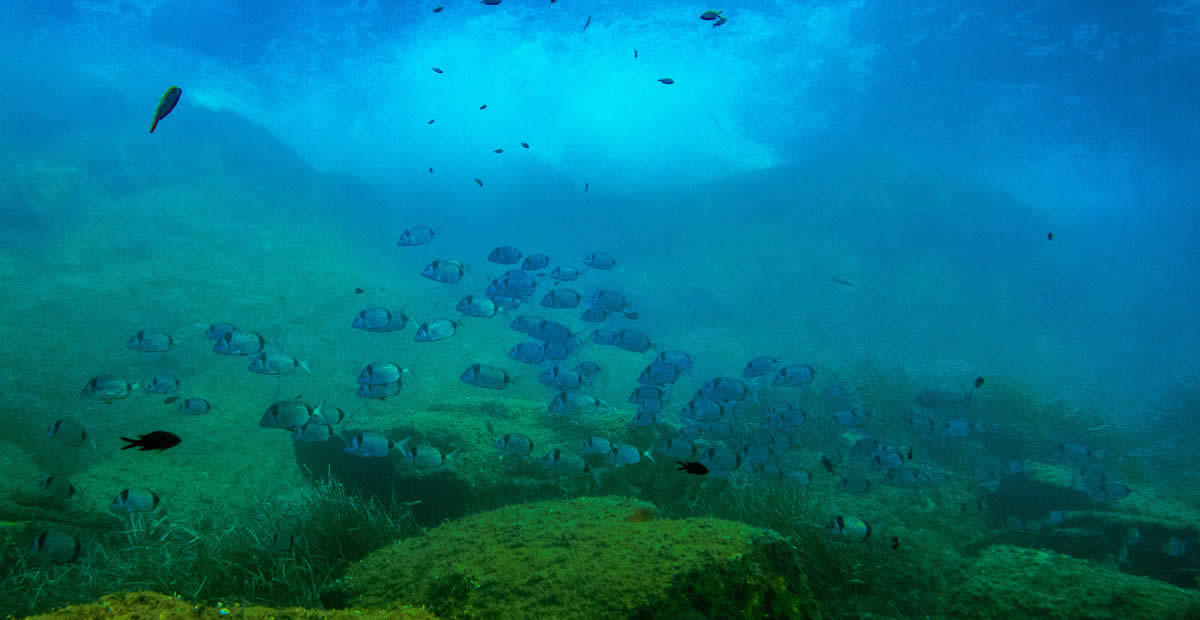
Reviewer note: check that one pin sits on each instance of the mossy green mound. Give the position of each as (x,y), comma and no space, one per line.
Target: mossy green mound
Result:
(155,605)
(588,558)
(1015,582)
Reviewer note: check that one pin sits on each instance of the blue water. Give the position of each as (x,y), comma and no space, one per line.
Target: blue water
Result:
(922,152)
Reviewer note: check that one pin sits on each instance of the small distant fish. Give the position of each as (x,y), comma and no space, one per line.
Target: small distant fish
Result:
(498,151)
(850,527)
(438,9)
(445,270)
(56,547)
(157,440)
(533,262)
(486,376)
(359,291)
(170,399)
(1050,236)
(978,382)
(478,182)
(370,444)
(240,342)
(842,281)
(588,23)
(692,467)
(710,15)
(149,342)
(895,540)
(195,406)
(134,500)
(216,331)
(431,171)
(108,388)
(165,105)
(525,144)
(720,22)
(505,255)
(604,262)
(635,53)
(666,80)
(68,432)
(162,385)
(430,122)
(490,2)
(276,363)
(57,486)
(515,444)
(483,107)
(437,70)
(416,235)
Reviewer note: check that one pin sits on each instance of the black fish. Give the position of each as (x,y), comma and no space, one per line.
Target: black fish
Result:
(477,181)
(635,53)
(666,80)
(436,70)
(483,107)
(525,144)
(585,187)
(842,281)
(978,382)
(895,542)
(430,122)
(158,440)
(170,399)
(589,23)
(632,316)
(1050,236)
(431,171)
(498,151)
(437,9)
(359,291)
(692,467)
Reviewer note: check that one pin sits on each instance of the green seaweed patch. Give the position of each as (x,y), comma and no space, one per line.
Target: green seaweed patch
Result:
(1016,582)
(587,558)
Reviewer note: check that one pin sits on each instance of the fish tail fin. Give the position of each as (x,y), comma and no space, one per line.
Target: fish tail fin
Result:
(304,366)
(133,443)
(153,125)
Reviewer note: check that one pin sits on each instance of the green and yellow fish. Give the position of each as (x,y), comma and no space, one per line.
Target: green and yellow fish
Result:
(165,105)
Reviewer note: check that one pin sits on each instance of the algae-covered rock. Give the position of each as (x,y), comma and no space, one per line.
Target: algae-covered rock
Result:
(587,558)
(1015,582)
(155,605)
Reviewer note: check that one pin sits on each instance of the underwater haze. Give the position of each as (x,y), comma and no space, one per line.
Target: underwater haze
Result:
(975,222)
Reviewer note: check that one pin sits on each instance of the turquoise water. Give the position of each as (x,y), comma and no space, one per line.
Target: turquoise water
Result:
(866,189)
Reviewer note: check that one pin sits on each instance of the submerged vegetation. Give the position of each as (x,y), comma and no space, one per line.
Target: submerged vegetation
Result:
(291,554)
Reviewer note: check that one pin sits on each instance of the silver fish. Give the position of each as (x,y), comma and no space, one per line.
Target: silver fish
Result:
(149,342)
(270,362)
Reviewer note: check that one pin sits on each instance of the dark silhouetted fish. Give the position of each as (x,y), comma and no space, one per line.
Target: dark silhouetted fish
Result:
(165,105)
(437,70)
(666,80)
(157,440)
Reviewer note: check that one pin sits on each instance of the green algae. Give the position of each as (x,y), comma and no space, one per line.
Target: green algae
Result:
(1016,582)
(587,558)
